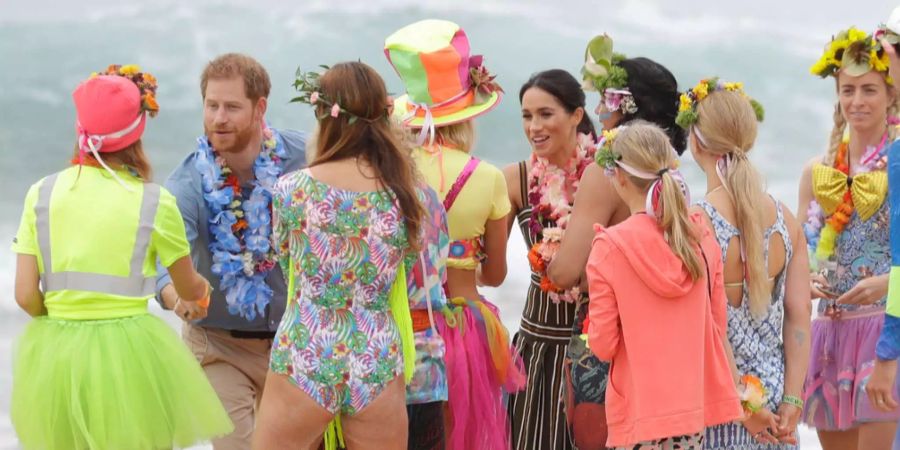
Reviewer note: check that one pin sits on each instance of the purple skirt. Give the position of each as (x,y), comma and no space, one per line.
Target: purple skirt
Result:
(842,358)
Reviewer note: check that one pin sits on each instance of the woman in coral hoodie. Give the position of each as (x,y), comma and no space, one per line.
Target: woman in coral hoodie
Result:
(654,313)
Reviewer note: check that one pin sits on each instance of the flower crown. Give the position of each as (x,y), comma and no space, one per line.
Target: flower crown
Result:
(145,82)
(307,84)
(601,70)
(605,157)
(853,51)
(687,108)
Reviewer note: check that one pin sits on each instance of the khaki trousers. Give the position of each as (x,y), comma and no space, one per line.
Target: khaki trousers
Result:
(236,369)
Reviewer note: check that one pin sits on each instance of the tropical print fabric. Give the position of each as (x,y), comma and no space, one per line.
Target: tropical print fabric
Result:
(337,341)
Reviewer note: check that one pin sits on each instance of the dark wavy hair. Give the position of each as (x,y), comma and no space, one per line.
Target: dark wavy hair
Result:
(655,92)
(566,89)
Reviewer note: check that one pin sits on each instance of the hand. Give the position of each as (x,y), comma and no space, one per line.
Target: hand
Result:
(819,287)
(894,70)
(761,425)
(880,387)
(190,311)
(867,291)
(789,416)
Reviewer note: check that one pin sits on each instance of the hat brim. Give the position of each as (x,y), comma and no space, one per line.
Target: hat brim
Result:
(402,108)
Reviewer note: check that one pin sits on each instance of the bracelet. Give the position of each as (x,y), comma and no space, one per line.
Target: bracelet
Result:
(792,400)
(204,301)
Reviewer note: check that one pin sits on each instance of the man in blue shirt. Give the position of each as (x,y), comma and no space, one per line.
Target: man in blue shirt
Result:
(223,190)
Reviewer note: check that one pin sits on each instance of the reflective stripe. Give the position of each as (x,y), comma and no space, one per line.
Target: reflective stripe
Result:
(42,214)
(134,285)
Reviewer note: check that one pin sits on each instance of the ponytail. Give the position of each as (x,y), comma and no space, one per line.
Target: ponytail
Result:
(645,151)
(744,186)
(681,234)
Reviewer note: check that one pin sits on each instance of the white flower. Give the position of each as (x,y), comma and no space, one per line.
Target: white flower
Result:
(247,261)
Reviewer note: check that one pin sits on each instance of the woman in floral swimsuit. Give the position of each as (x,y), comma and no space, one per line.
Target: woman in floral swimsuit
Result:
(342,227)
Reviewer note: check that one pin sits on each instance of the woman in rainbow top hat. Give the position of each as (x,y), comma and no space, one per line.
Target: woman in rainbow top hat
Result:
(446,88)
(95,369)
(843,202)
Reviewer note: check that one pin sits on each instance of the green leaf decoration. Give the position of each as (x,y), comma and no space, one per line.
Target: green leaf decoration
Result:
(758,109)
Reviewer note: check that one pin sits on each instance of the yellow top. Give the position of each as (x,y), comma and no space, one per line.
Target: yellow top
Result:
(484,196)
(93,229)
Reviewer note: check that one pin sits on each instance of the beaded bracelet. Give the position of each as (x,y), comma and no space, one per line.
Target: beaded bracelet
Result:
(792,400)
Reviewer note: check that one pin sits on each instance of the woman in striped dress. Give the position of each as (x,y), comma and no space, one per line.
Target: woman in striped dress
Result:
(541,191)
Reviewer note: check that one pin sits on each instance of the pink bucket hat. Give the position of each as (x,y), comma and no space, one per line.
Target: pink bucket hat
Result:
(109,113)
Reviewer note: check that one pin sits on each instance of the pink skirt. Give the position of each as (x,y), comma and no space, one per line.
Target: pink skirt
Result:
(481,368)
(842,358)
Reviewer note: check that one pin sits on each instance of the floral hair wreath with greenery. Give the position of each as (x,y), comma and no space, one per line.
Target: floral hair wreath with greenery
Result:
(307,84)
(145,82)
(605,157)
(687,108)
(601,70)
(854,52)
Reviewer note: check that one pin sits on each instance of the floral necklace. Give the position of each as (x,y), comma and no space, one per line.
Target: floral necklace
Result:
(821,231)
(551,194)
(240,229)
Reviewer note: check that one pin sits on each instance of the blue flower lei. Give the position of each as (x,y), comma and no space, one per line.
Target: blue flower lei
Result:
(240,229)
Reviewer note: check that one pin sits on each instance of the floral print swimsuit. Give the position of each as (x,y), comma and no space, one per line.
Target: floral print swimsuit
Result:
(337,340)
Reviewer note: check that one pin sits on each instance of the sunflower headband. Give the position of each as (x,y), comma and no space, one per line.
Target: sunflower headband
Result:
(687,108)
(145,82)
(854,52)
(307,84)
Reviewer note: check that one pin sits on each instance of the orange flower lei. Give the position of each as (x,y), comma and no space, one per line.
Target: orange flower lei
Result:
(841,216)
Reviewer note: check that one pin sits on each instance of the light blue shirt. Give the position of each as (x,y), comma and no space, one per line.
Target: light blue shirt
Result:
(185,184)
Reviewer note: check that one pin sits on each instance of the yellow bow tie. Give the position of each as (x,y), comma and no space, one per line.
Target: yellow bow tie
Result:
(867,189)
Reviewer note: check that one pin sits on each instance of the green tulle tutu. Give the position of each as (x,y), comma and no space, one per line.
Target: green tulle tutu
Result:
(110,384)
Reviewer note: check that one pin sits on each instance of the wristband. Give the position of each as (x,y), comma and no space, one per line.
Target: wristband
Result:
(792,400)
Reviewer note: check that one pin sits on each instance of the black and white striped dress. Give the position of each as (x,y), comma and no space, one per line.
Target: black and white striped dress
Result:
(537,414)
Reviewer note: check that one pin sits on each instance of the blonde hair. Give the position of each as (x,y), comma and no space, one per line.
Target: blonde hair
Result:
(840,122)
(728,125)
(460,136)
(646,147)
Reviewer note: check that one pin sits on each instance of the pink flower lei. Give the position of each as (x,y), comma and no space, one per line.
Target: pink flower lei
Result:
(551,194)
(551,189)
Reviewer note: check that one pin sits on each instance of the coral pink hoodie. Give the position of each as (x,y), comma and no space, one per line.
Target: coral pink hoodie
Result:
(663,334)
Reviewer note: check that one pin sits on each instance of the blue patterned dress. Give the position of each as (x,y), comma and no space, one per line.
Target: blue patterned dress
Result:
(757,343)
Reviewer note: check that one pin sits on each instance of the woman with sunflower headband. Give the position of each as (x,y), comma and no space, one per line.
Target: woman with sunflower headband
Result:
(94,369)
(561,369)
(843,202)
(765,267)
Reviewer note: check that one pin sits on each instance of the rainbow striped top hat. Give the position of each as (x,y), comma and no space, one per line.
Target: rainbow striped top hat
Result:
(444,84)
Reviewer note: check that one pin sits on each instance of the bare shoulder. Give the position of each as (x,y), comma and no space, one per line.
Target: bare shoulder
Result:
(511,173)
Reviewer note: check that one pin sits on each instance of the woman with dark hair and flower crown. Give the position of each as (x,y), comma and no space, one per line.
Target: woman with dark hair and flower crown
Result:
(94,369)
(346,228)
(765,267)
(446,88)
(847,222)
(562,371)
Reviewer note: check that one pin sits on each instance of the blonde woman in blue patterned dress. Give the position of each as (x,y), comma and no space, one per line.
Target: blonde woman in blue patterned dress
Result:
(766,268)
